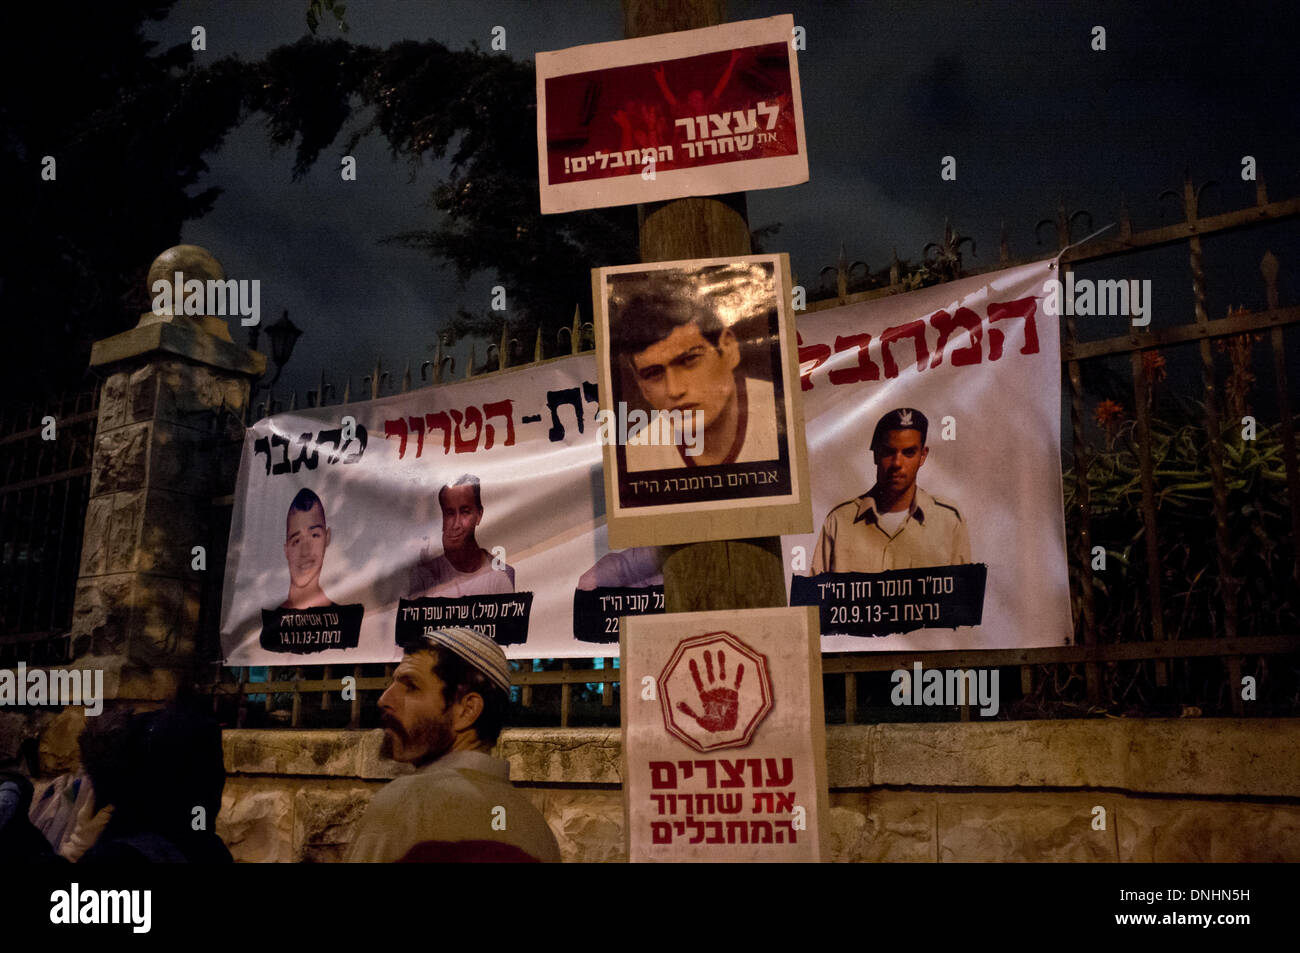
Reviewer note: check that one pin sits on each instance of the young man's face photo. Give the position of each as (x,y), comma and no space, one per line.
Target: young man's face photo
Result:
(304,546)
(685,372)
(460,516)
(898,455)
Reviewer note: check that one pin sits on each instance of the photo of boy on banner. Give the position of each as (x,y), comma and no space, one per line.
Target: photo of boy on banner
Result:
(308,620)
(463,568)
(465,584)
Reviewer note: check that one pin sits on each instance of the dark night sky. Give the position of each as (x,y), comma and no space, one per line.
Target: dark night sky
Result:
(1012,90)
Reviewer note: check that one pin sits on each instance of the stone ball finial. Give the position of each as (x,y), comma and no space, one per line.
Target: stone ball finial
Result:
(193,262)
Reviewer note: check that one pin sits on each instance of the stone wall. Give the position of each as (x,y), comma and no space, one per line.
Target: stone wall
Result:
(1172,790)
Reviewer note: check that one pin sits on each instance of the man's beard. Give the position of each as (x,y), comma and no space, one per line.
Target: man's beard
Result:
(431,737)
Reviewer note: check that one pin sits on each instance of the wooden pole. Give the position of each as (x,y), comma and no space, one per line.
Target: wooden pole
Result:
(732,574)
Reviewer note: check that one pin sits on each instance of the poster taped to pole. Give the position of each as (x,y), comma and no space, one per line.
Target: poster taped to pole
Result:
(724,737)
(700,112)
(701,419)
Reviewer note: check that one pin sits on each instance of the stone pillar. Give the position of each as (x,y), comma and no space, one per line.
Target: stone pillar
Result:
(173,397)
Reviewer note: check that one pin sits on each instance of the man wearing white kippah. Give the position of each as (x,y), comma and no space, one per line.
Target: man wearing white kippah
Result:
(443,713)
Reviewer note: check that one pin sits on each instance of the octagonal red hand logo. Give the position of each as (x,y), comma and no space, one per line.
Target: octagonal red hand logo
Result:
(722,704)
(714,691)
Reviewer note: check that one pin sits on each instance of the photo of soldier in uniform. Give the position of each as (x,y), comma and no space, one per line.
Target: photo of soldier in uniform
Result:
(464,568)
(896,524)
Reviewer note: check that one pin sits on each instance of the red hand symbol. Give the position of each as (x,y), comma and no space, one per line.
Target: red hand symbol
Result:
(721,704)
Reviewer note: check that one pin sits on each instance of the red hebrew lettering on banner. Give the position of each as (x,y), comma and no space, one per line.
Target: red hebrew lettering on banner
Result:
(715,690)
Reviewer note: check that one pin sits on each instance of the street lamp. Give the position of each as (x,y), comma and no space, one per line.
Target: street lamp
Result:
(284,335)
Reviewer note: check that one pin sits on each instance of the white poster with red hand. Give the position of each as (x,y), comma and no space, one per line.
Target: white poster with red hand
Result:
(723,737)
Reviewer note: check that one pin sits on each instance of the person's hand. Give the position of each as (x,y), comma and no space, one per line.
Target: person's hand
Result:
(86,830)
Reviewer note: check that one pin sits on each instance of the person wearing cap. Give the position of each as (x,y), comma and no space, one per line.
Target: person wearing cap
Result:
(442,713)
(895,524)
(685,359)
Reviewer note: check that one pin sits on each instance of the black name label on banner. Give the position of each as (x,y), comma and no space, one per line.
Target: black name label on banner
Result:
(901,600)
(596,611)
(303,631)
(502,617)
(732,481)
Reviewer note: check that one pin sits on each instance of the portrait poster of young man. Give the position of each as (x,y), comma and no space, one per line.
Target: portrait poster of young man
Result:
(697,410)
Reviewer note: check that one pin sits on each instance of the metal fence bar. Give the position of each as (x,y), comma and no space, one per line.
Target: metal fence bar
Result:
(1214,430)
(295,718)
(354,719)
(1083,548)
(1142,403)
(1269,268)
(566,696)
(1194,226)
(1234,324)
(876,662)
(1066,654)
(30,432)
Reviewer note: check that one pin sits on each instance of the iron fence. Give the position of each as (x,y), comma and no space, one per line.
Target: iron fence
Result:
(45,469)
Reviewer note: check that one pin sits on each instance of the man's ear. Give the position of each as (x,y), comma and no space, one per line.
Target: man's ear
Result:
(465,711)
(327,537)
(925,452)
(730,348)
